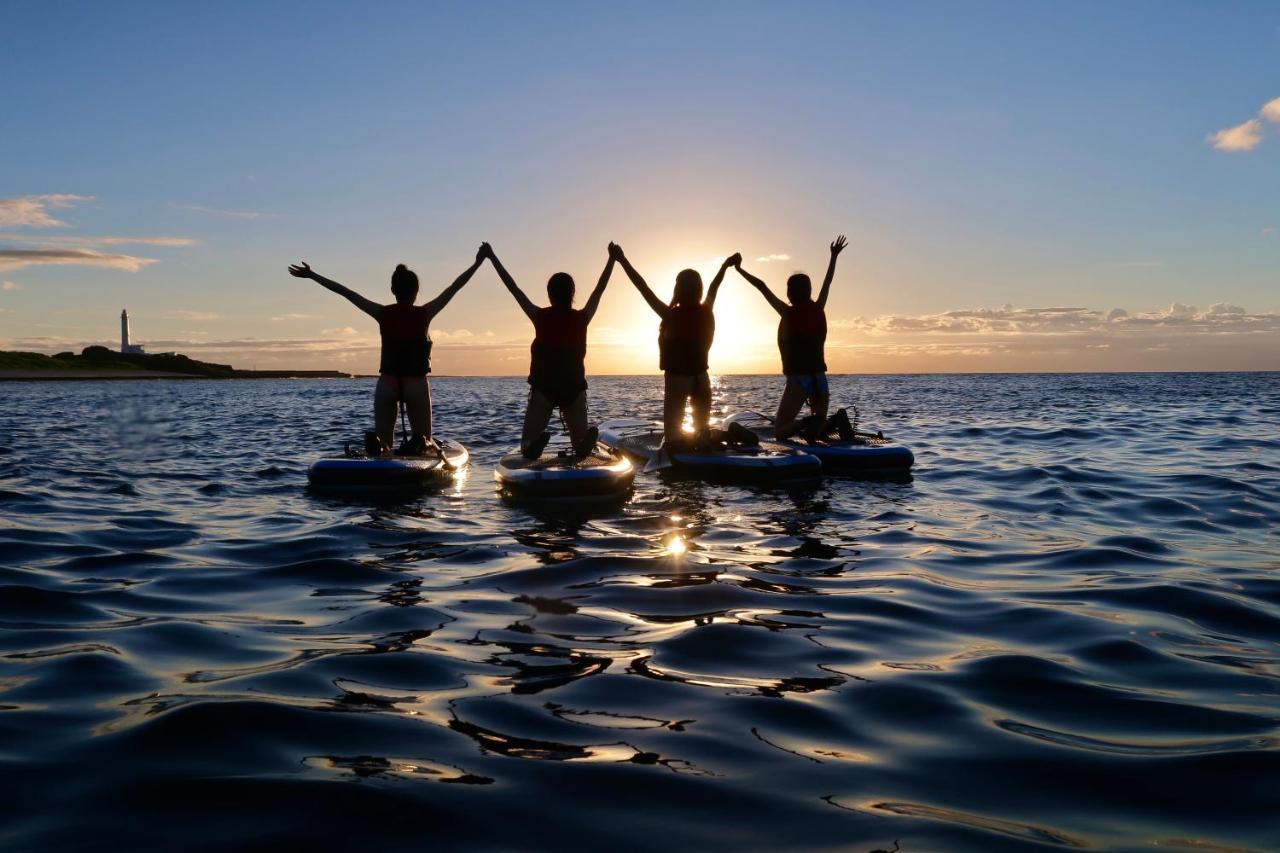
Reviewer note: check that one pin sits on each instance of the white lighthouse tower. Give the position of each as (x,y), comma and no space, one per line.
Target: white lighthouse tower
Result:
(125,346)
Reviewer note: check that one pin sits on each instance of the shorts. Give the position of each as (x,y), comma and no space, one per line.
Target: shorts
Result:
(812,384)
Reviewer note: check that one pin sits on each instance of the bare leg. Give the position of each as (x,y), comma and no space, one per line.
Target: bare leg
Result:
(417,399)
(700,399)
(818,405)
(675,393)
(785,423)
(575,418)
(384,409)
(537,414)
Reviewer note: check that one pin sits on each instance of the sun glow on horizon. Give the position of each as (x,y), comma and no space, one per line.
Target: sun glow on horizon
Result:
(745,324)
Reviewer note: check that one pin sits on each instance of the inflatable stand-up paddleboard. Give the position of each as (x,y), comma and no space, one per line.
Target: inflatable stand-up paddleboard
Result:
(767,462)
(869,454)
(357,471)
(558,475)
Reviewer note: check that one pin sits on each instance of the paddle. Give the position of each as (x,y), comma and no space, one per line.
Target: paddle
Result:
(660,460)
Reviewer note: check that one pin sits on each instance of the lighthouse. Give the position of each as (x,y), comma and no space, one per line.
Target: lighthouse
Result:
(125,346)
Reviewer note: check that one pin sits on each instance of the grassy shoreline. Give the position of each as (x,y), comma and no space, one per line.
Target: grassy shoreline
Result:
(102,363)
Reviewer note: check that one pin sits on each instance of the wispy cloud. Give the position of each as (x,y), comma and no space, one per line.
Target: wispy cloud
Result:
(13,259)
(184,314)
(289,318)
(10,285)
(764,259)
(215,211)
(1008,321)
(89,241)
(32,211)
(1247,135)
(345,330)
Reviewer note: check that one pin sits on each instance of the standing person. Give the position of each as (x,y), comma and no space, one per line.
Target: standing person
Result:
(802,336)
(406,353)
(557,369)
(684,338)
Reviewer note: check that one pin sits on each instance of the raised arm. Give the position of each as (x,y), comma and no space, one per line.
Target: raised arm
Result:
(659,307)
(837,246)
(731,261)
(368,306)
(435,306)
(530,310)
(593,301)
(778,304)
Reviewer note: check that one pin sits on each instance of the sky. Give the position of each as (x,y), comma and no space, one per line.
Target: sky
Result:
(1025,186)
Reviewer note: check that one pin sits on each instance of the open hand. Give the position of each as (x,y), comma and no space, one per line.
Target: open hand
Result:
(615,251)
(301,270)
(734,260)
(838,244)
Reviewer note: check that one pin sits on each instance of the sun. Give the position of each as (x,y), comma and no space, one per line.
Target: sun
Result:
(746,327)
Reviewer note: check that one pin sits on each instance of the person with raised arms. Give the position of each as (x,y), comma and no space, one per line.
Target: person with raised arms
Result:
(802,336)
(406,353)
(684,337)
(557,368)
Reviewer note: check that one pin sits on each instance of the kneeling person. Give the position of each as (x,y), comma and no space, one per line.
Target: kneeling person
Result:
(557,369)
(802,336)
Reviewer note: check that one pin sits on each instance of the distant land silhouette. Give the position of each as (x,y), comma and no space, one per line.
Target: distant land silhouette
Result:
(98,362)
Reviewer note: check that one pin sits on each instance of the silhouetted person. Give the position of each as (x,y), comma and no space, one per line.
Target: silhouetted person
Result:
(557,369)
(684,337)
(802,336)
(406,352)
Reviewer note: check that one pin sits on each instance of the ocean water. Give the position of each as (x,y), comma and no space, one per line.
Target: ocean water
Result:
(1064,631)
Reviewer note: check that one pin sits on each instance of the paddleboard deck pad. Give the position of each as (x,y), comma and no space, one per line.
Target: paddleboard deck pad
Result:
(355,470)
(600,475)
(869,454)
(767,462)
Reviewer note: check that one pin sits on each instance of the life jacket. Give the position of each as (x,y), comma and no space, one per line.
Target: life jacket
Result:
(684,337)
(556,364)
(406,349)
(802,334)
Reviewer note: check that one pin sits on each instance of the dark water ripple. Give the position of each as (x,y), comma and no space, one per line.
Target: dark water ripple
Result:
(1064,632)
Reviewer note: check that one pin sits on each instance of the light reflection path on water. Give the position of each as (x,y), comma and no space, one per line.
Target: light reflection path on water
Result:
(1062,631)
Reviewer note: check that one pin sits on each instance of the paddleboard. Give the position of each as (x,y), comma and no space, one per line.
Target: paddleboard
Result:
(767,462)
(355,470)
(869,454)
(601,475)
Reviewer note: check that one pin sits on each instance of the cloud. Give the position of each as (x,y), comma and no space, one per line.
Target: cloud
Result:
(233,214)
(184,314)
(1243,137)
(89,241)
(10,285)
(764,259)
(1008,322)
(1247,135)
(13,259)
(288,318)
(345,330)
(32,211)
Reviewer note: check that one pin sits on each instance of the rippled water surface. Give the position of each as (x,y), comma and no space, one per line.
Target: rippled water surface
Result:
(1063,632)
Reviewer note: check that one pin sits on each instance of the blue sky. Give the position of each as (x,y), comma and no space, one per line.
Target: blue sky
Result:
(988,161)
